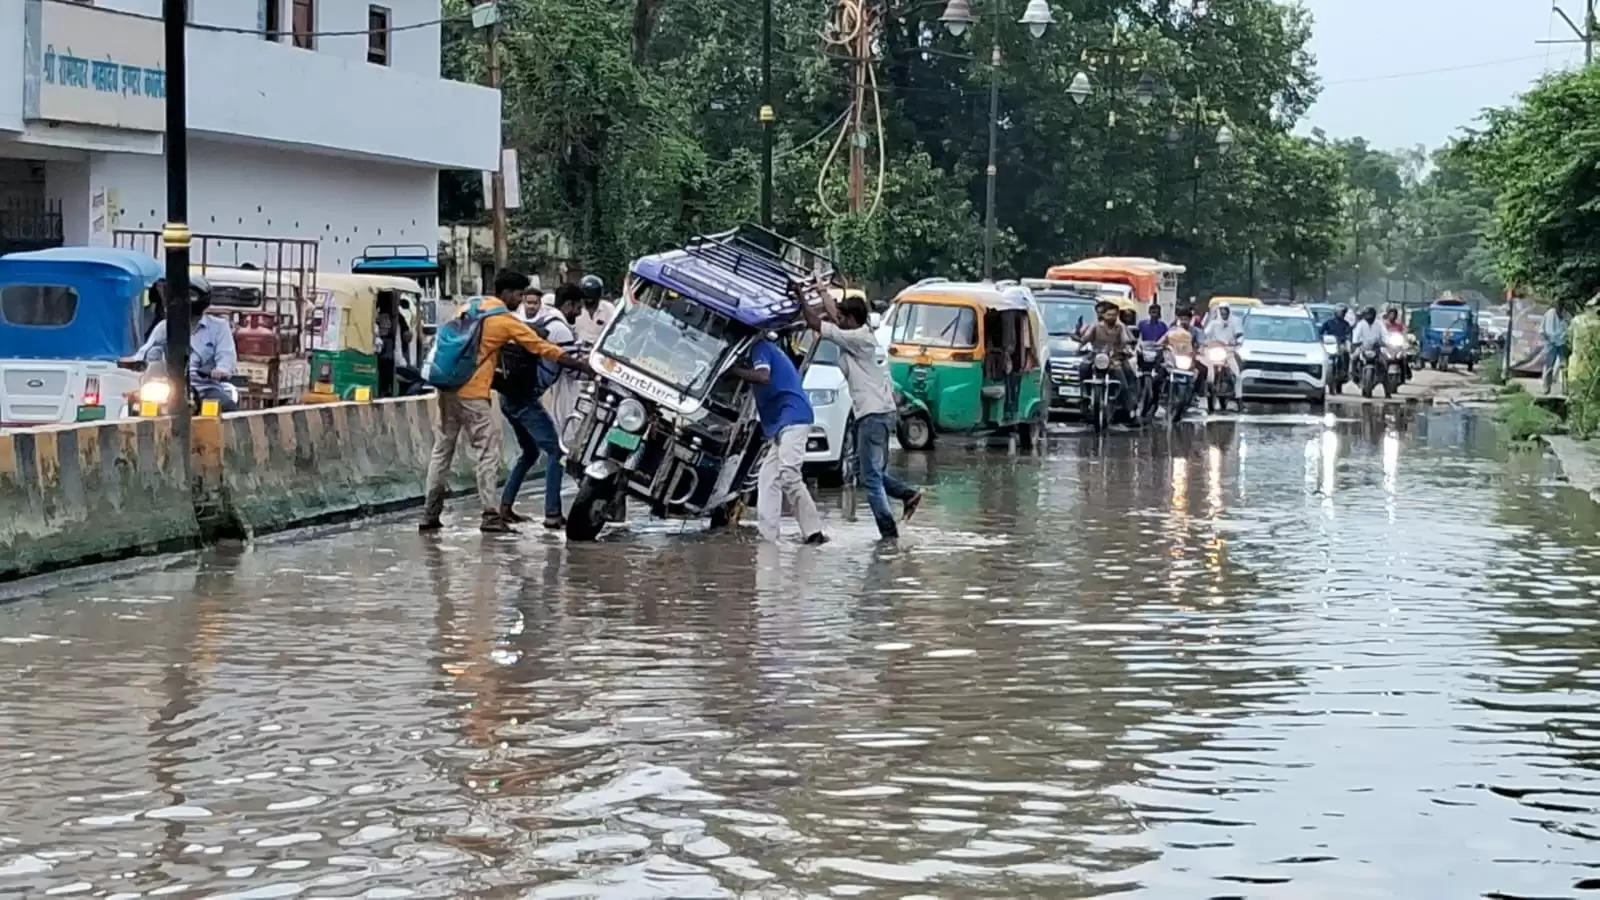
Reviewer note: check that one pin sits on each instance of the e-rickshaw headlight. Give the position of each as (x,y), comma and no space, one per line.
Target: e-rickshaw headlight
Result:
(631,416)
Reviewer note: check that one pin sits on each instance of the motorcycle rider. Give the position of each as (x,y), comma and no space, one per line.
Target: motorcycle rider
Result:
(1391,324)
(1183,337)
(1339,329)
(1110,335)
(1222,329)
(1368,333)
(212,356)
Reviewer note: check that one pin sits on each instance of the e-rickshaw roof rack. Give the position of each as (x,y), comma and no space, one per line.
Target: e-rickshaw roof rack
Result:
(395,259)
(763,257)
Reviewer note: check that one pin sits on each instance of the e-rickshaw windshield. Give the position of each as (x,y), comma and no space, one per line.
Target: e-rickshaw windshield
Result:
(1445,318)
(670,337)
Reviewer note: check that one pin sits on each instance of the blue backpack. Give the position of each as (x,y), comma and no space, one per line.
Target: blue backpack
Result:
(454,357)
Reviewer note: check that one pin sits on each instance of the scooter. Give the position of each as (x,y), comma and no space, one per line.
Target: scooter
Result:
(1339,357)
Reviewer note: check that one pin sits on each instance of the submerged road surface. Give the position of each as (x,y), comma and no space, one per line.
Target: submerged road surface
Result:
(1268,658)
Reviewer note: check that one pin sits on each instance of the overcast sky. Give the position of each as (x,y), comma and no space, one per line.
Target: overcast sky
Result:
(1370,54)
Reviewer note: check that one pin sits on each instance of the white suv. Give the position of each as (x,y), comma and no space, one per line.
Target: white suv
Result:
(1282,355)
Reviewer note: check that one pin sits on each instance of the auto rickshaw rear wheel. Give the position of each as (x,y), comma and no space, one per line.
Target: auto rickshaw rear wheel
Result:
(915,432)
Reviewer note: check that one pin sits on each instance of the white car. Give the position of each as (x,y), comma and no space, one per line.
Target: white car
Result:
(831,446)
(1282,355)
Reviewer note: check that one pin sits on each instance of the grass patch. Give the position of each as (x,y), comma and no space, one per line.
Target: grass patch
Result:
(1493,369)
(1524,419)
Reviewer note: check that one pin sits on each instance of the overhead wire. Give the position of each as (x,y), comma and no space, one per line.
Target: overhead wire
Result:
(852,26)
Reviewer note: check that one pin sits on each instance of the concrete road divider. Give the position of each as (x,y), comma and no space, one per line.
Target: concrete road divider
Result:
(73,494)
(79,493)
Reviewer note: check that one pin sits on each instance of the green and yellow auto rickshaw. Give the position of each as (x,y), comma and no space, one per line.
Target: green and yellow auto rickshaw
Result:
(362,327)
(967,358)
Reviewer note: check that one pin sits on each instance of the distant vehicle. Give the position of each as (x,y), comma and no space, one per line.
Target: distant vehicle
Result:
(1321,312)
(1282,355)
(1066,308)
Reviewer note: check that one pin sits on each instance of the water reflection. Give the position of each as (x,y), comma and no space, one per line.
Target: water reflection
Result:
(1345,657)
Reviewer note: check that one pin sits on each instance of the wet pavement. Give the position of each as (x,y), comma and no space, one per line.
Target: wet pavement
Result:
(1270,657)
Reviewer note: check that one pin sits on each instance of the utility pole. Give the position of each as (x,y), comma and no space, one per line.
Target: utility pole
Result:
(487,17)
(175,234)
(767,116)
(1585,35)
(994,150)
(859,51)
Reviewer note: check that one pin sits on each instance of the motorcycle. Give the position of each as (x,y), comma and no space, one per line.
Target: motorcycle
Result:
(1221,385)
(1152,378)
(157,395)
(1339,363)
(1104,390)
(1181,377)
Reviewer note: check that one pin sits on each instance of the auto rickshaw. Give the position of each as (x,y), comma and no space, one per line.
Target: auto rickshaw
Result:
(362,330)
(1450,334)
(966,358)
(1239,305)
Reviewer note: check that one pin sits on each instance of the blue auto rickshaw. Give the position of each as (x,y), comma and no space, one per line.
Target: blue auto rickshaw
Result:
(1450,335)
(67,314)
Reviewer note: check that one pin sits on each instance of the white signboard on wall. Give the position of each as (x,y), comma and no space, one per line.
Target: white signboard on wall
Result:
(94,67)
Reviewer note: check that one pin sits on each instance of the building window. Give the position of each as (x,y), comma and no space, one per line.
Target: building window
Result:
(378,35)
(272,20)
(305,24)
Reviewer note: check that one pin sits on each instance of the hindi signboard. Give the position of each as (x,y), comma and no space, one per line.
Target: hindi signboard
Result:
(94,67)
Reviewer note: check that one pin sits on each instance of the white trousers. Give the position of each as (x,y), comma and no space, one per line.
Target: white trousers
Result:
(781,477)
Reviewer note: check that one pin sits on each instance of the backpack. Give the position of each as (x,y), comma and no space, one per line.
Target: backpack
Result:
(521,375)
(454,357)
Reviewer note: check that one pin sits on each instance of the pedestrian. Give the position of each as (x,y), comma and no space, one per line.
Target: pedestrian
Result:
(522,381)
(597,311)
(1553,332)
(559,311)
(871,400)
(467,408)
(786,418)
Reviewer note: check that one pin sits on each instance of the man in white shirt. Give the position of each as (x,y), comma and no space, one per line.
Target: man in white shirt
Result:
(871,399)
(1369,332)
(1223,329)
(597,313)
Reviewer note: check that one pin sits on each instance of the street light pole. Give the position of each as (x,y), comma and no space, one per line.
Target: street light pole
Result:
(175,234)
(767,116)
(993,170)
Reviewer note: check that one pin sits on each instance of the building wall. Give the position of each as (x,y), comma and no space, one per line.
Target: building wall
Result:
(343,204)
(11,64)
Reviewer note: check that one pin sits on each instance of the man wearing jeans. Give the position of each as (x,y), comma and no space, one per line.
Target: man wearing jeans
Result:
(871,399)
(786,419)
(522,380)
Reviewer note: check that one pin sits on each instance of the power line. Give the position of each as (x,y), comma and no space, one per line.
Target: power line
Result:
(1421,72)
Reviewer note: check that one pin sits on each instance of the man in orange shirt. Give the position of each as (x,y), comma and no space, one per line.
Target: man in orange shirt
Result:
(469,409)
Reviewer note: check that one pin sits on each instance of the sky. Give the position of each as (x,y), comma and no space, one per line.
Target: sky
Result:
(1380,63)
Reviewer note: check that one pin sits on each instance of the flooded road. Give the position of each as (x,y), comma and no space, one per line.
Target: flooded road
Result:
(1268,658)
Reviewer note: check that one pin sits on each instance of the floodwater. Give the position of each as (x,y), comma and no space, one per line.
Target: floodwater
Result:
(1270,658)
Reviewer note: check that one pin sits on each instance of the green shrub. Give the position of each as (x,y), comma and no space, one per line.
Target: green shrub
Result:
(1492,368)
(1524,419)
(1583,377)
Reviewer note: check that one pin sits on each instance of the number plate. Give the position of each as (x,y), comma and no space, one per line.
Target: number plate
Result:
(627,440)
(1067,390)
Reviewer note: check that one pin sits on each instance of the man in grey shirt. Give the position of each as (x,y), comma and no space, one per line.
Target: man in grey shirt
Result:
(213,359)
(871,399)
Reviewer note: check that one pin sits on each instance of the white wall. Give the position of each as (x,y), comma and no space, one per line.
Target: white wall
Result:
(11,63)
(239,189)
(67,183)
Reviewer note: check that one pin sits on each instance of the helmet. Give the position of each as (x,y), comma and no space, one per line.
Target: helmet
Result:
(199,293)
(592,287)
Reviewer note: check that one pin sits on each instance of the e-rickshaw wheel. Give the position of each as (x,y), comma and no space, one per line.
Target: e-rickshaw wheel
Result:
(590,510)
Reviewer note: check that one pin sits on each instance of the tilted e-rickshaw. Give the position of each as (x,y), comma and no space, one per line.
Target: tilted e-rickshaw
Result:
(965,358)
(664,422)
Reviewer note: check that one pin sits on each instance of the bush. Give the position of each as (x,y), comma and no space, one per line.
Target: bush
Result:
(1524,419)
(1583,377)
(1492,368)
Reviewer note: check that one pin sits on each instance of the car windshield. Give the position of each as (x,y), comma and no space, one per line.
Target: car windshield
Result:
(1279,328)
(935,325)
(1453,319)
(671,337)
(1063,316)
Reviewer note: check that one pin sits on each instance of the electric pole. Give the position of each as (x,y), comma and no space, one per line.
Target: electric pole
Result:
(1585,35)
(859,51)
(487,17)
(175,234)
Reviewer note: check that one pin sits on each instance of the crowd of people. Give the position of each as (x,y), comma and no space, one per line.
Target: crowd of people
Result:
(532,351)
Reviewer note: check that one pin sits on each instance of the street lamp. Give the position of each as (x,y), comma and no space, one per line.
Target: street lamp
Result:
(1079,89)
(958,18)
(1145,92)
(1225,138)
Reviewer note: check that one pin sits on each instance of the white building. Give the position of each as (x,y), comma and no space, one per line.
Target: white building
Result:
(297,127)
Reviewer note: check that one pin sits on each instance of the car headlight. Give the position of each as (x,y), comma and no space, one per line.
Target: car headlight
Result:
(1216,355)
(157,392)
(631,415)
(1395,341)
(822,397)
(1183,361)
(1102,361)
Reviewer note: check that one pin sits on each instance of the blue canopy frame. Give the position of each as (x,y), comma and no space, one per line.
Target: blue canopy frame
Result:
(111,284)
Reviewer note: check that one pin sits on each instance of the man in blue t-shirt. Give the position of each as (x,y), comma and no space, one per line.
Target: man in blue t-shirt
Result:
(1153,329)
(786,419)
